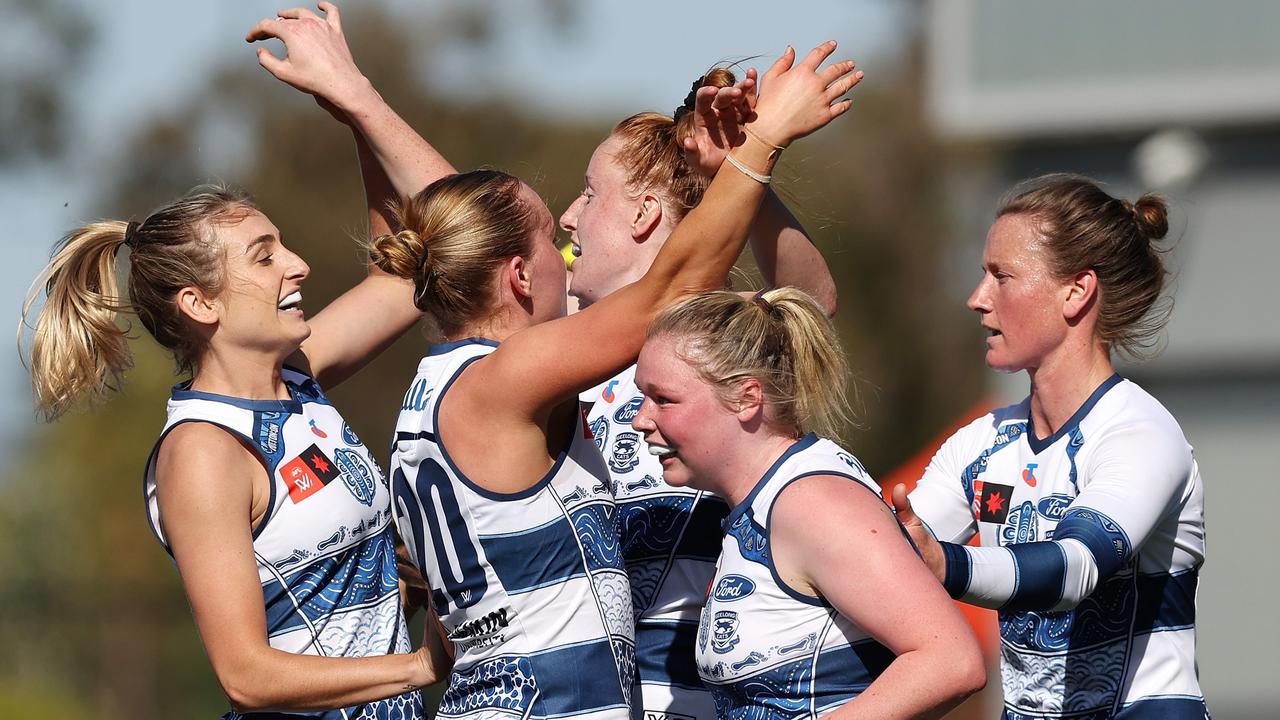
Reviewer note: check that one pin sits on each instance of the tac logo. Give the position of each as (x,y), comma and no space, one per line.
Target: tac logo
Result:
(308,473)
(626,453)
(627,413)
(733,587)
(317,431)
(724,631)
(1029,475)
(607,393)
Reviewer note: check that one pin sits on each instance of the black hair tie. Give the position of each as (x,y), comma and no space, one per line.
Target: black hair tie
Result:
(131,234)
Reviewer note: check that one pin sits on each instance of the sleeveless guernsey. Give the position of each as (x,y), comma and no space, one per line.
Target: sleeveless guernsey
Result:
(767,651)
(529,585)
(325,550)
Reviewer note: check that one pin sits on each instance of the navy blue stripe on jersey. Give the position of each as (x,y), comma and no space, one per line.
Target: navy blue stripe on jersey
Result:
(580,678)
(1037,446)
(1105,539)
(785,691)
(652,525)
(447,347)
(958,569)
(534,558)
(1166,601)
(359,576)
(597,530)
(1040,575)
(702,534)
(183,391)
(661,650)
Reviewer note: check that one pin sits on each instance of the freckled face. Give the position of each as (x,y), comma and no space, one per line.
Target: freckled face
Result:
(1018,298)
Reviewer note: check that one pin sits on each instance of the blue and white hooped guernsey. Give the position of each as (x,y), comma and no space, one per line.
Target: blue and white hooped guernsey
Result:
(670,543)
(1092,542)
(326,549)
(767,651)
(529,585)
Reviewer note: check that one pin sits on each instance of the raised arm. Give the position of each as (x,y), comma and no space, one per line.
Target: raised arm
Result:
(206,520)
(798,99)
(781,247)
(834,538)
(395,161)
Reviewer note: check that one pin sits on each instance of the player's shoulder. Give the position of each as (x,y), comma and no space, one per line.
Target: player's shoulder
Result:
(1129,410)
(995,427)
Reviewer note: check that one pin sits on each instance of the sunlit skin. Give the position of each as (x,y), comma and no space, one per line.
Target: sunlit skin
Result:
(700,441)
(615,234)
(258,316)
(1038,322)
(547,264)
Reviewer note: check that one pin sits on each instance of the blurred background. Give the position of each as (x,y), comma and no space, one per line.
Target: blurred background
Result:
(109,109)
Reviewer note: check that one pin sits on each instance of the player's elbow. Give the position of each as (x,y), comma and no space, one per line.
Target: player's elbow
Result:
(247,689)
(966,671)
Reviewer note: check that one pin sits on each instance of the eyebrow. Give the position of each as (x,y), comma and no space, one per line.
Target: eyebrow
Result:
(260,240)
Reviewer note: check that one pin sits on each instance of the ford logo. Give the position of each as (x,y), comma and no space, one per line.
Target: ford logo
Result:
(733,587)
(627,413)
(1054,507)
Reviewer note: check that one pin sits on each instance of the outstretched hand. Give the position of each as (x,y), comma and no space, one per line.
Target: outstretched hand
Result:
(926,543)
(317,60)
(799,98)
(718,117)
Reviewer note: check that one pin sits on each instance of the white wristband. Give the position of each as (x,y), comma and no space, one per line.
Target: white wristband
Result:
(762,179)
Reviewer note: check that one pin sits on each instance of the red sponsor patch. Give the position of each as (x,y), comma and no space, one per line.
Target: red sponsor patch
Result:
(307,473)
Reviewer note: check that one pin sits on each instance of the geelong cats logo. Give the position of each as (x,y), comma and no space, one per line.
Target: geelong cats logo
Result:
(626,453)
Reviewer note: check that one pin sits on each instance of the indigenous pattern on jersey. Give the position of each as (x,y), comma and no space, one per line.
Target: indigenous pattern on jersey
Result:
(530,585)
(1092,542)
(670,542)
(326,548)
(767,651)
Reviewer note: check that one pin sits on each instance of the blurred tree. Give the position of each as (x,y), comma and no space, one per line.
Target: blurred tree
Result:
(43,41)
(92,616)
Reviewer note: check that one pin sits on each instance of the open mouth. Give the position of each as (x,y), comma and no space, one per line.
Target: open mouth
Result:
(291,302)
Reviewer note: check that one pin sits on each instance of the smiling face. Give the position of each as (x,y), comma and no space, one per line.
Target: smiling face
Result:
(683,419)
(600,223)
(260,307)
(1019,299)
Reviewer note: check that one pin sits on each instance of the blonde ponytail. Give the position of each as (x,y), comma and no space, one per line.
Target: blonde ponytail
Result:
(77,347)
(781,338)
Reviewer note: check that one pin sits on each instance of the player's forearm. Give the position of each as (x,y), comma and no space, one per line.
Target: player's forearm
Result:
(409,162)
(925,683)
(1034,576)
(785,255)
(277,680)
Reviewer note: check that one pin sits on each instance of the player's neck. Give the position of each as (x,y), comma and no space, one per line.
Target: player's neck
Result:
(745,465)
(248,376)
(1063,383)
